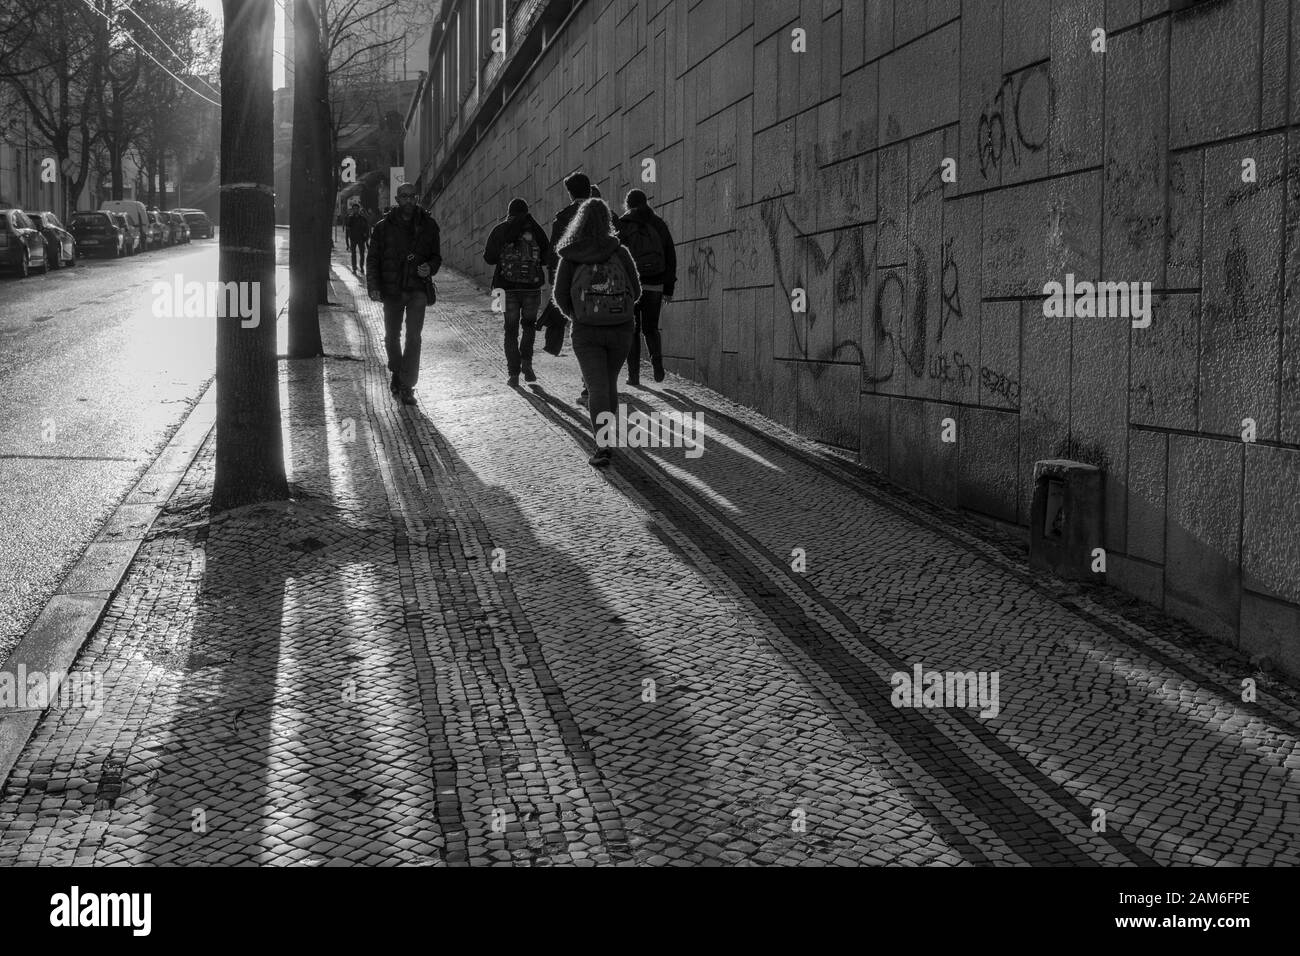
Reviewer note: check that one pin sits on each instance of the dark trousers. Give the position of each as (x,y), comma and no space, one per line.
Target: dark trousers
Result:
(361,248)
(647,312)
(601,351)
(521,306)
(404,362)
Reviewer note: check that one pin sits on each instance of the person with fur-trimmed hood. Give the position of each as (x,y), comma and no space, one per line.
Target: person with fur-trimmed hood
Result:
(596,286)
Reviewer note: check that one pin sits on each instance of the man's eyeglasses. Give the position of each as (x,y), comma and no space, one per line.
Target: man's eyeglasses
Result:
(401,196)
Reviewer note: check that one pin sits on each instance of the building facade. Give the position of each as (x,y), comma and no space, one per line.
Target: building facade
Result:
(872,200)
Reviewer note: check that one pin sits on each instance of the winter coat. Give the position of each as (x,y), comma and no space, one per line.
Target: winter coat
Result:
(561,223)
(391,241)
(589,249)
(667,278)
(358,227)
(508,231)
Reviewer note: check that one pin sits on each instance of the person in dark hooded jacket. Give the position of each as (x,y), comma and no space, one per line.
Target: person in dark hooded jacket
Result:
(357,228)
(405,253)
(519,249)
(651,244)
(596,286)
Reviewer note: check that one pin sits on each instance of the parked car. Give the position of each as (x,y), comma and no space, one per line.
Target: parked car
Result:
(180,228)
(134,240)
(22,247)
(98,233)
(135,214)
(60,243)
(158,231)
(200,225)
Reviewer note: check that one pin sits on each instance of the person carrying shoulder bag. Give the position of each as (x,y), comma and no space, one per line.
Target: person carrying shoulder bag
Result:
(405,254)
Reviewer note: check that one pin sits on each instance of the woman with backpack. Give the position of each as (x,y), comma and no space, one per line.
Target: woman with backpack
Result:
(596,287)
(519,249)
(651,244)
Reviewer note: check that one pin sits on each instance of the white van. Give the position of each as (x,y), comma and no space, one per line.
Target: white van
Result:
(135,214)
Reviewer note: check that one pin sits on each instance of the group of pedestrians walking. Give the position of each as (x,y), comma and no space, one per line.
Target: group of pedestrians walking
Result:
(610,276)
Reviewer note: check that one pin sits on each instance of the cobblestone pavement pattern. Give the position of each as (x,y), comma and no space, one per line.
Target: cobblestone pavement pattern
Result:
(460,644)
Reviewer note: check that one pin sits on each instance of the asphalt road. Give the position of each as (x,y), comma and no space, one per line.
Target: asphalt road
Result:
(92,384)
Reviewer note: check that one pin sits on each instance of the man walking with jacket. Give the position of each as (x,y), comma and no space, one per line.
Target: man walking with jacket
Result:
(357,230)
(405,254)
(519,249)
(651,244)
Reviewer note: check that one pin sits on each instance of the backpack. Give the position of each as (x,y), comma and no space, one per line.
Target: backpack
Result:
(643,241)
(602,292)
(521,261)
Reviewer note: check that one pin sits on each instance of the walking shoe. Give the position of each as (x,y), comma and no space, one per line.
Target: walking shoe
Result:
(582,399)
(408,396)
(395,386)
(634,381)
(659,369)
(602,458)
(513,381)
(529,374)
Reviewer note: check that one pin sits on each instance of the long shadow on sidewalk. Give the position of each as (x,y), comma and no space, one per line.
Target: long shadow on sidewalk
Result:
(337,706)
(295,724)
(543,704)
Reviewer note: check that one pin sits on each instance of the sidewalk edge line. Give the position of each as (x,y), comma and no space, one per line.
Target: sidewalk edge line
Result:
(62,647)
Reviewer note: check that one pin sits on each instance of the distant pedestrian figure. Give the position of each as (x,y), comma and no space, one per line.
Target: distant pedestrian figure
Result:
(579,188)
(651,244)
(404,256)
(357,230)
(520,250)
(597,287)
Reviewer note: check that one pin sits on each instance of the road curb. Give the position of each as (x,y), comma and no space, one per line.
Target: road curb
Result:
(54,640)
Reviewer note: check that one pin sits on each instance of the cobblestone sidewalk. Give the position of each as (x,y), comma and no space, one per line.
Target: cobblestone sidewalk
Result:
(460,644)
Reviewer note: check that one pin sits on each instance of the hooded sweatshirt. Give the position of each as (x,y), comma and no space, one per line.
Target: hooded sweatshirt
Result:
(589,249)
(509,230)
(666,281)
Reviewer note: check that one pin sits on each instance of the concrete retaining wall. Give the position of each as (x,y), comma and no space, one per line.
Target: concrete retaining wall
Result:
(822,170)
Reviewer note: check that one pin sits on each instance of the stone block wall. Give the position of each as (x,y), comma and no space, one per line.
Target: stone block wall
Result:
(821,170)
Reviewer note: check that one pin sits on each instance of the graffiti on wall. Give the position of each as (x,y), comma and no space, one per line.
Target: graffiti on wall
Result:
(902,337)
(1006,131)
(703,270)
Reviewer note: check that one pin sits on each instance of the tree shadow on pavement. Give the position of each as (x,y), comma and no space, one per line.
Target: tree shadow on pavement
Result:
(567,725)
(296,719)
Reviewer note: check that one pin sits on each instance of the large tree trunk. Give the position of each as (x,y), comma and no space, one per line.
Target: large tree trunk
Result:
(305,210)
(250,450)
(327,191)
(115,169)
(150,177)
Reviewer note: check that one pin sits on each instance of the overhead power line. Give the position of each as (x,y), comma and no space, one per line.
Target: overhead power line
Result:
(136,44)
(180,59)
